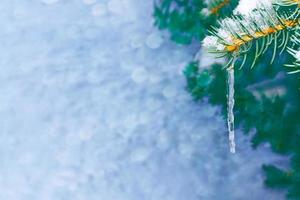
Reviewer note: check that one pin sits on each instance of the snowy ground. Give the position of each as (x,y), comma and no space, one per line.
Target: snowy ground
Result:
(93,107)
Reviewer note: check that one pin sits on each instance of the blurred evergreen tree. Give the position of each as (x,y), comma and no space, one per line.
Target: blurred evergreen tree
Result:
(267,97)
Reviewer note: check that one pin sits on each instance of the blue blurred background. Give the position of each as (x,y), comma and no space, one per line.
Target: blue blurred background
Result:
(93,107)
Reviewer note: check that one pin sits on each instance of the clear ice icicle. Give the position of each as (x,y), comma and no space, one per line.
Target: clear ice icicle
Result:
(230,106)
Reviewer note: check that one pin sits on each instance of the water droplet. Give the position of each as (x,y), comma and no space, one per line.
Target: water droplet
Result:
(140,155)
(154,40)
(169,92)
(139,75)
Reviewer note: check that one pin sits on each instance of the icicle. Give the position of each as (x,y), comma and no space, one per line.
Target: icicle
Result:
(230,106)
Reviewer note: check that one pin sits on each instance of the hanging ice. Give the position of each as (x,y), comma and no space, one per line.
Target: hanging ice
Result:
(230,106)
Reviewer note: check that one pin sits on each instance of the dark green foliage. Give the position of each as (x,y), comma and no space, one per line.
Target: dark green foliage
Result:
(226,10)
(277,177)
(197,83)
(267,99)
(289,179)
(215,77)
(276,118)
(184,20)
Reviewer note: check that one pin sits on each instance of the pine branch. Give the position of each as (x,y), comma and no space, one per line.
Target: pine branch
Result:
(287,2)
(265,27)
(215,10)
(295,52)
(219,8)
(260,29)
